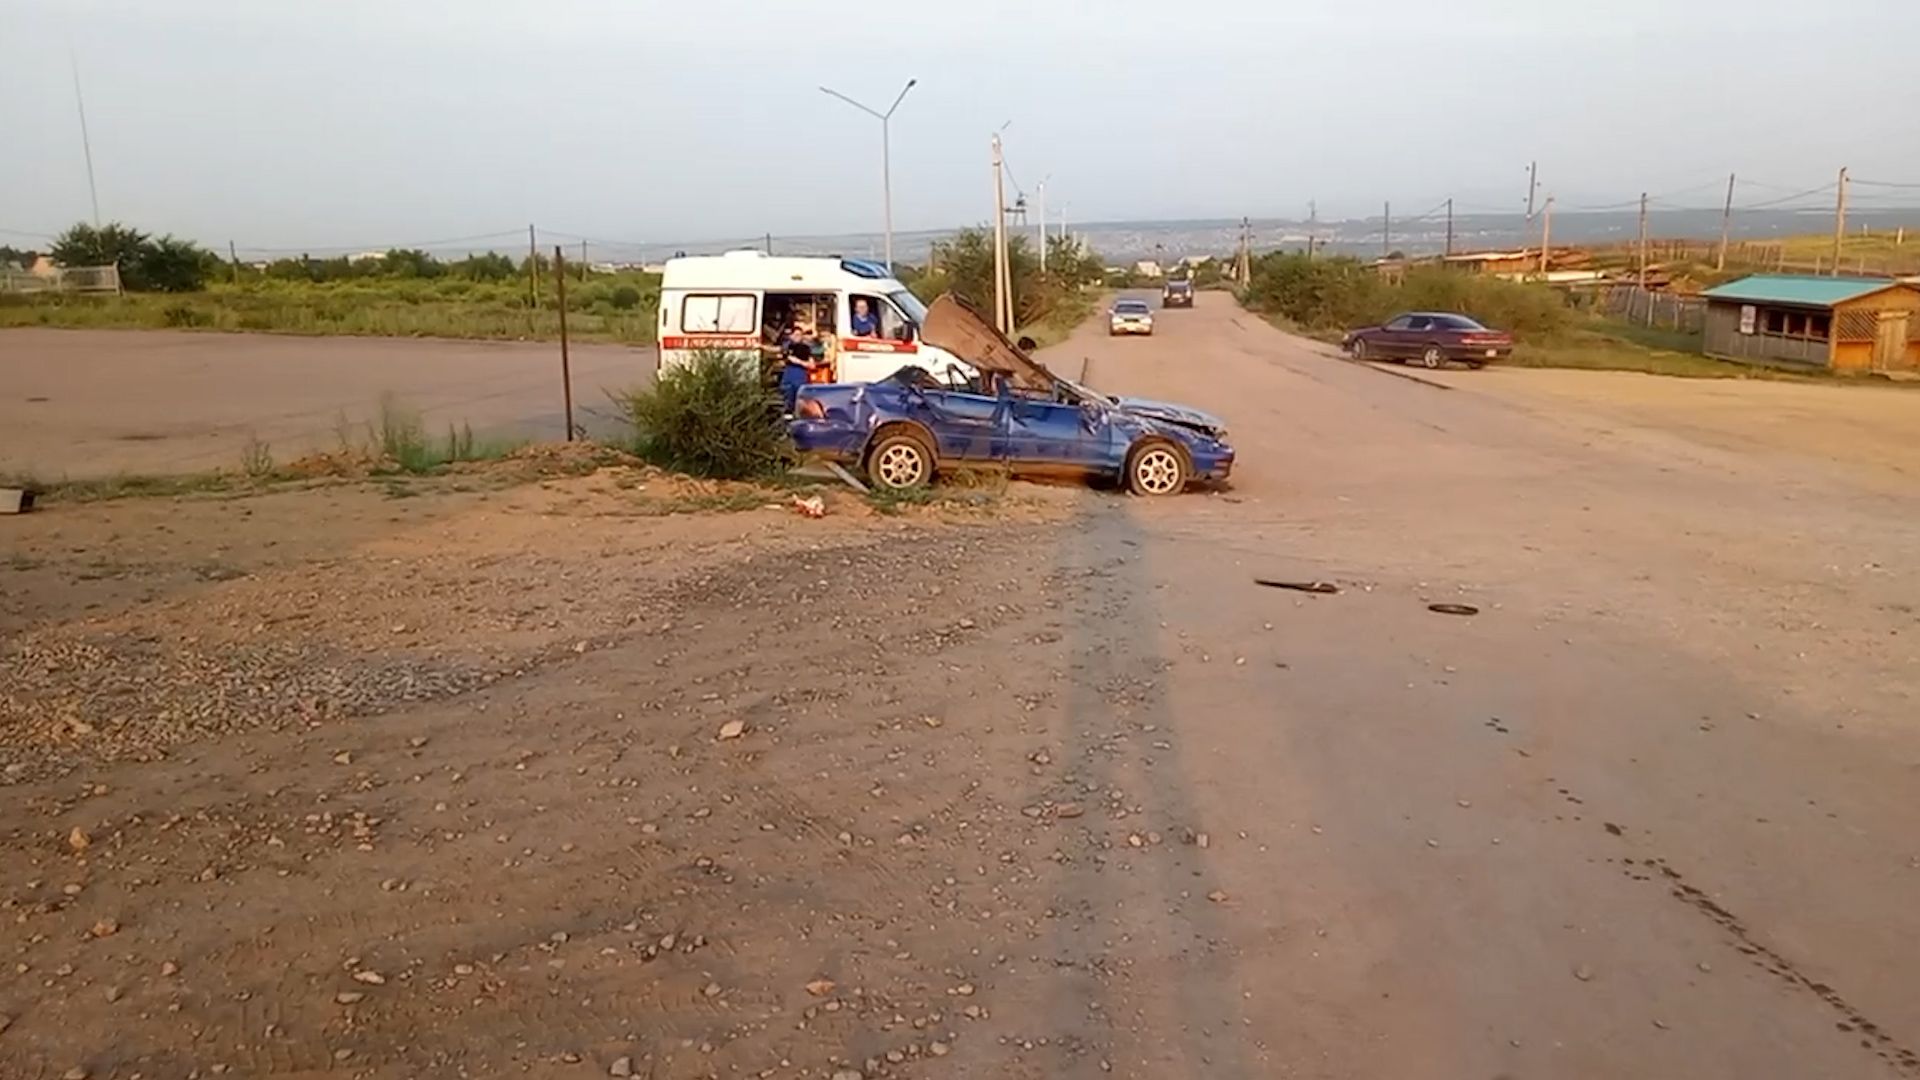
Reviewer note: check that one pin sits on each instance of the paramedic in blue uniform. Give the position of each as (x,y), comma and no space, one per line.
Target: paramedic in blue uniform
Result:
(796,372)
(865,321)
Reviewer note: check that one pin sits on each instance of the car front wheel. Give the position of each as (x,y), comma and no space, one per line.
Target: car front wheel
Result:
(900,462)
(1156,468)
(1359,348)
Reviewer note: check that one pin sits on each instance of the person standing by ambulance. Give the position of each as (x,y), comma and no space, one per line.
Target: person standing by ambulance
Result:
(796,372)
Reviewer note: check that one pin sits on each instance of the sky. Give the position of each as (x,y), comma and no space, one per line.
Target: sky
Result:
(300,125)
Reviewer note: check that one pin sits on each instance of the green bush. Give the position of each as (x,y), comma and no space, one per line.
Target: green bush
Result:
(964,266)
(167,264)
(184,316)
(712,417)
(625,297)
(1338,293)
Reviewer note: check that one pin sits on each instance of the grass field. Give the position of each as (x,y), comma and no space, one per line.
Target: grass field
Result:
(1069,313)
(1609,345)
(1884,251)
(617,308)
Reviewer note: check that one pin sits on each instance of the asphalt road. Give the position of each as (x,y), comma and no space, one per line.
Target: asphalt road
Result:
(1650,813)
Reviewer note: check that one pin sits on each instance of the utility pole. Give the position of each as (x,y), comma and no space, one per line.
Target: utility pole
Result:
(1643,240)
(1246,251)
(533,270)
(583,260)
(1040,192)
(1001,301)
(1839,221)
(1546,234)
(1726,226)
(1533,184)
(234,257)
(1386,230)
(566,367)
(1449,226)
(769,243)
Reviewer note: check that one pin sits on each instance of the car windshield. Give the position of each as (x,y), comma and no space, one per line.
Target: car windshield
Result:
(1131,307)
(910,306)
(1456,322)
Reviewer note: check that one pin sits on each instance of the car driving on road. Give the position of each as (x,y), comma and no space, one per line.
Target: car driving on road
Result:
(906,427)
(1130,317)
(1177,292)
(1431,337)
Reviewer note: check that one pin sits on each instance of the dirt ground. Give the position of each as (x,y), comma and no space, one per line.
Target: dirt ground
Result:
(539,780)
(82,404)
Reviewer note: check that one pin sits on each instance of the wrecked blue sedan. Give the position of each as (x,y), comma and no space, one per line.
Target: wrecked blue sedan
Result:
(1006,410)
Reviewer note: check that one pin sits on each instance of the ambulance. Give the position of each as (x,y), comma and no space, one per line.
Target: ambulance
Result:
(867,323)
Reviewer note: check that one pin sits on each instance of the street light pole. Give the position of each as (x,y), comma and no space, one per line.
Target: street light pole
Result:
(1001,283)
(886,154)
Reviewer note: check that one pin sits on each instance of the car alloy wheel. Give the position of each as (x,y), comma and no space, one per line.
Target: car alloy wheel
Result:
(900,462)
(1157,469)
(1431,359)
(1359,348)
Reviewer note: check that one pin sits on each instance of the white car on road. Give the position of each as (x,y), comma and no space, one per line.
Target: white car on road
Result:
(1130,317)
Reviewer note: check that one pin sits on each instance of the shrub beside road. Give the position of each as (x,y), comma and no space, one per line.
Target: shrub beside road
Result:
(1323,297)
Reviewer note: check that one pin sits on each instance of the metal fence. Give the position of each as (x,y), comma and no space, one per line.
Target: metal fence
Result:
(88,279)
(1686,314)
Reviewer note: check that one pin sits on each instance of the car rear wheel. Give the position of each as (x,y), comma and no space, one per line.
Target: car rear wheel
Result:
(1156,468)
(1432,358)
(900,462)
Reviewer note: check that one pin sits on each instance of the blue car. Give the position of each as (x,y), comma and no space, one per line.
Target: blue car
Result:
(1007,409)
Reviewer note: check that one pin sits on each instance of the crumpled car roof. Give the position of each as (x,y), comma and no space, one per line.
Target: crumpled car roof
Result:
(959,327)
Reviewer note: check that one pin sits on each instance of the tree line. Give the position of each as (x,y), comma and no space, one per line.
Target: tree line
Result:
(170,264)
(964,266)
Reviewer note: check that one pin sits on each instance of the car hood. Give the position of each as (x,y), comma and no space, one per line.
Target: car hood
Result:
(959,327)
(1168,412)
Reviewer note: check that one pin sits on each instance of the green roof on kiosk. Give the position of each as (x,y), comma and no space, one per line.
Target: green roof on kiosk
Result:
(1800,290)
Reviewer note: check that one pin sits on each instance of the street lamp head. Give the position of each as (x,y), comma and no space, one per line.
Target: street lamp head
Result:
(902,96)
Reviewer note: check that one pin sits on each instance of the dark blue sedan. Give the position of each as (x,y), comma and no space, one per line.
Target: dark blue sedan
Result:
(1008,410)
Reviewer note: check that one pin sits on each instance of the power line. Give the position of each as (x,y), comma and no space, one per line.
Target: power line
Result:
(1821,190)
(1744,182)
(1882,183)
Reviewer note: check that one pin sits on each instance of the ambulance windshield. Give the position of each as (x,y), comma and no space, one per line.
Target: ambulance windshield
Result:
(910,306)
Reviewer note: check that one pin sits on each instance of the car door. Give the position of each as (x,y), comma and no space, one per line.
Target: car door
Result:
(1412,340)
(1384,342)
(966,427)
(1050,436)
(872,356)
